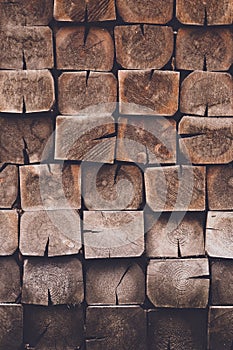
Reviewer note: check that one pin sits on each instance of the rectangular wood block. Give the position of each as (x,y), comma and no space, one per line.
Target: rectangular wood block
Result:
(175,188)
(113,234)
(9,280)
(56,281)
(221,282)
(8,186)
(8,232)
(148,92)
(50,187)
(220,327)
(178,283)
(11,330)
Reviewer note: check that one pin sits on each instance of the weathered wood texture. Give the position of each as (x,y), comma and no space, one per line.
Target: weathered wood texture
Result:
(11,330)
(178,283)
(220,187)
(206,140)
(26,91)
(112,187)
(26,12)
(146,140)
(84,10)
(207,93)
(85,138)
(114,282)
(53,327)
(145,11)
(57,231)
(8,186)
(9,280)
(219,234)
(26,47)
(8,232)
(114,328)
(56,281)
(221,282)
(50,187)
(197,47)
(113,234)
(143,47)
(82,93)
(220,328)
(177,329)
(30,138)
(175,188)
(79,50)
(213,12)
(174,235)
(148,92)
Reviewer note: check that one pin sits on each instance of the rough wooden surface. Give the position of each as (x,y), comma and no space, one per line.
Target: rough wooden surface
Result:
(26,91)
(114,282)
(113,234)
(26,47)
(220,328)
(84,10)
(207,93)
(79,50)
(220,187)
(221,282)
(145,11)
(146,140)
(30,137)
(148,92)
(213,12)
(53,327)
(50,187)
(177,329)
(112,187)
(114,328)
(57,231)
(81,93)
(8,186)
(174,235)
(85,138)
(55,281)
(197,47)
(175,188)
(11,330)
(9,280)
(178,283)
(8,232)
(219,237)
(206,140)
(143,47)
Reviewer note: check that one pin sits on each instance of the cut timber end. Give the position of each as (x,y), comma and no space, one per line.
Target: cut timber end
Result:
(221,282)
(10,280)
(220,327)
(8,186)
(11,331)
(8,232)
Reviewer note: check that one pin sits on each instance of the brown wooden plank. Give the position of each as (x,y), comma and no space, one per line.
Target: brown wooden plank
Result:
(79,50)
(114,282)
(148,92)
(206,140)
(81,93)
(56,281)
(8,186)
(29,137)
(174,235)
(146,140)
(178,283)
(53,327)
(113,234)
(9,280)
(57,231)
(26,91)
(220,327)
(114,328)
(213,12)
(112,187)
(8,232)
(177,329)
(221,282)
(50,187)
(219,238)
(220,187)
(207,93)
(145,11)
(175,188)
(143,47)
(197,47)
(11,331)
